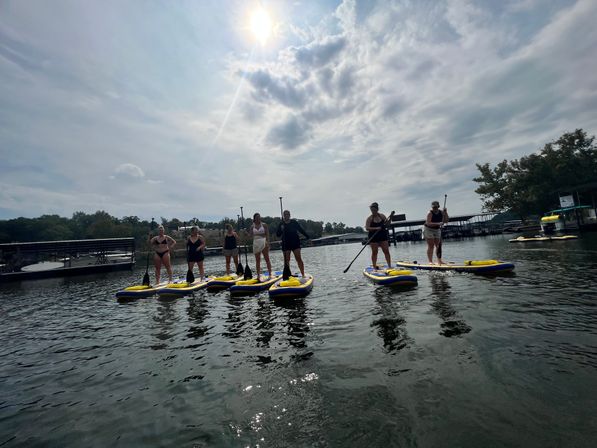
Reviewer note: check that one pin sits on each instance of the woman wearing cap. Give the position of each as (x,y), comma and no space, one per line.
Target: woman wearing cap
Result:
(432,230)
(378,235)
(260,233)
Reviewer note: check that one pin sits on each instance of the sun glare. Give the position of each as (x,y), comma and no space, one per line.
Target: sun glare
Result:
(261,25)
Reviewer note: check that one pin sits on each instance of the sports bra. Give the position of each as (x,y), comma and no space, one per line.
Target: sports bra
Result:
(259,231)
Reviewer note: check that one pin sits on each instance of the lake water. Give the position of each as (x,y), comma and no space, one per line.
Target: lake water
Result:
(461,360)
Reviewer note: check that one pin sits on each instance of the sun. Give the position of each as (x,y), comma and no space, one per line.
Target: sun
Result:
(261,25)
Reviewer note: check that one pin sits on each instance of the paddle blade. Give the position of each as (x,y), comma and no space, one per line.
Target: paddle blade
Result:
(190,276)
(146,279)
(286,272)
(248,273)
(240,269)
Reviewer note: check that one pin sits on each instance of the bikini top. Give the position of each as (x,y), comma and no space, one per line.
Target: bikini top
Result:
(259,231)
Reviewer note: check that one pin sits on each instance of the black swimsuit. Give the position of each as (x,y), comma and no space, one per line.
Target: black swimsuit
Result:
(381,235)
(192,253)
(165,241)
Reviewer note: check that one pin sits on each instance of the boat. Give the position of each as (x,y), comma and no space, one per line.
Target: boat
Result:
(224,282)
(183,288)
(252,286)
(293,287)
(137,291)
(43,266)
(542,238)
(390,276)
(474,266)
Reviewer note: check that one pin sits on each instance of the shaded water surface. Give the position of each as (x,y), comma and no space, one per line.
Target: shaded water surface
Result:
(461,360)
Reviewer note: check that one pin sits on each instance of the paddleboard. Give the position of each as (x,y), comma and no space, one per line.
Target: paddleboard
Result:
(390,277)
(224,282)
(43,266)
(523,239)
(137,291)
(183,288)
(475,266)
(293,287)
(252,286)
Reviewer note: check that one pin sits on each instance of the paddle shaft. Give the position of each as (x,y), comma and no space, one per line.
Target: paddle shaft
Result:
(389,218)
(439,246)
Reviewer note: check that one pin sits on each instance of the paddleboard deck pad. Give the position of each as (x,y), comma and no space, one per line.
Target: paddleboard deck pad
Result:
(183,288)
(252,286)
(538,239)
(390,277)
(224,282)
(136,291)
(475,266)
(293,287)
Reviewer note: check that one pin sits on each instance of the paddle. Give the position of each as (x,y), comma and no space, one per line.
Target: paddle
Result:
(439,246)
(190,276)
(388,219)
(248,273)
(239,268)
(286,272)
(146,276)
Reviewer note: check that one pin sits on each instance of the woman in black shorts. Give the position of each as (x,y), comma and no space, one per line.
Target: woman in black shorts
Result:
(376,226)
(195,246)
(289,231)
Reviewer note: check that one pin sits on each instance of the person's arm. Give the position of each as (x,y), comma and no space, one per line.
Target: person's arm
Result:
(202,245)
(428,222)
(383,221)
(446,217)
(367,228)
(301,230)
(172,240)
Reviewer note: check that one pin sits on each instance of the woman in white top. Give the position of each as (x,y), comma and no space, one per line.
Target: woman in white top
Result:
(260,233)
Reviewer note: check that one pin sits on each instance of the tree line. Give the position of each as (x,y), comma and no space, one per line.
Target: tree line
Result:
(102,225)
(532,184)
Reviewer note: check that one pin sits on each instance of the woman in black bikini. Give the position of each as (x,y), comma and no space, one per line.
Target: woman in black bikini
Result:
(195,246)
(161,245)
(376,226)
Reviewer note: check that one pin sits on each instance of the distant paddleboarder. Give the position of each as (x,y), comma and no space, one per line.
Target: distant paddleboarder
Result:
(195,247)
(432,231)
(378,235)
(230,247)
(289,230)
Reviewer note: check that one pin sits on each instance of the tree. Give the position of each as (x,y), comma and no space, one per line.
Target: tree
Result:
(531,185)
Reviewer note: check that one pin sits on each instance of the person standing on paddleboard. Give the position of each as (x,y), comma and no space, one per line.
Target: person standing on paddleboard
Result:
(195,254)
(432,230)
(230,247)
(289,231)
(260,233)
(162,244)
(378,235)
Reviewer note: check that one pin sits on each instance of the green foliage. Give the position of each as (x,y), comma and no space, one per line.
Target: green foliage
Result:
(531,185)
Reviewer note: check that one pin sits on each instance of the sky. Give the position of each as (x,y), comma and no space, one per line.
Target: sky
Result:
(189,109)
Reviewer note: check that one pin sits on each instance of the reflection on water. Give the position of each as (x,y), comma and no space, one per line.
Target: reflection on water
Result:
(453,324)
(390,323)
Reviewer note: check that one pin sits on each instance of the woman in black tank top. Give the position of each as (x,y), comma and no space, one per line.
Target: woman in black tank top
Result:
(378,234)
(195,246)
(432,230)
(230,248)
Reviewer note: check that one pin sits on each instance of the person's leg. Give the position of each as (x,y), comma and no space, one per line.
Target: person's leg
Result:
(157,263)
(436,243)
(374,247)
(235,258)
(430,244)
(385,247)
(228,264)
(258,264)
(166,261)
(267,262)
(201,270)
(190,264)
(299,260)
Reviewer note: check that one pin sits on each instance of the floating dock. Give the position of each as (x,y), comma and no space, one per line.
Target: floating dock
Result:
(43,259)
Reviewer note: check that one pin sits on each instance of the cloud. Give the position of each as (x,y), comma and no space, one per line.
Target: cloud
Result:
(128,171)
(290,134)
